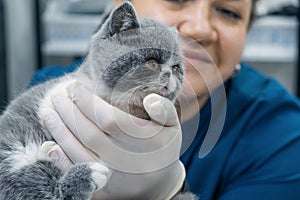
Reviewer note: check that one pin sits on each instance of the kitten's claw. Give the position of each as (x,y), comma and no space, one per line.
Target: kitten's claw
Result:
(100,174)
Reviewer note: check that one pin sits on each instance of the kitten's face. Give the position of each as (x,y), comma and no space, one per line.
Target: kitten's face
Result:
(133,58)
(154,71)
(139,56)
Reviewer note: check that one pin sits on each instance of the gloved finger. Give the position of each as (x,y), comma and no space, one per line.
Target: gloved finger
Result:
(91,141)
(57,155)
(64,137)
(161,110)
(72,117)
(110,119)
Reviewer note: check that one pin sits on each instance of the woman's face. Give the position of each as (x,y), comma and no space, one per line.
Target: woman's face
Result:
(213,33)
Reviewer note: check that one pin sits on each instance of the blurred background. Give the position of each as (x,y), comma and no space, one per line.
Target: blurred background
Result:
(37,33)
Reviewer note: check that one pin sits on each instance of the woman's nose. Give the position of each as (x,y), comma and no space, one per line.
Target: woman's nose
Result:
(196,22)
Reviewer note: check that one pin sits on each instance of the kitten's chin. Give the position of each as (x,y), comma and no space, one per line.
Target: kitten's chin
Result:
(131,103)
(138,112)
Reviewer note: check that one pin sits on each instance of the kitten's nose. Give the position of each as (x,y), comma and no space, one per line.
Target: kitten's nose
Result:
(167,74)
(165,77)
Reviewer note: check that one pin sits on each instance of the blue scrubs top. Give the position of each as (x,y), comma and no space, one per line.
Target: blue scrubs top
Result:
(257,156)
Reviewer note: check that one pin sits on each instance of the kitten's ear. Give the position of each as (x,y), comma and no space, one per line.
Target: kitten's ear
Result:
(122,18)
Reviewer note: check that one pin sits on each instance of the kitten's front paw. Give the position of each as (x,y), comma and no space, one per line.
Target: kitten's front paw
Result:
(100,174)
(82,180)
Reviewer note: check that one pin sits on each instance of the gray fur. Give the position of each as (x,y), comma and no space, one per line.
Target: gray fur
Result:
(185,196)
(115,68)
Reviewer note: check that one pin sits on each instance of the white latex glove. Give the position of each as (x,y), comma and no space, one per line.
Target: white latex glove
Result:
(144,155)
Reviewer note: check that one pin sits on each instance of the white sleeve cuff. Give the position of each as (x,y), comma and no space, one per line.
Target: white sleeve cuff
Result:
(178,186)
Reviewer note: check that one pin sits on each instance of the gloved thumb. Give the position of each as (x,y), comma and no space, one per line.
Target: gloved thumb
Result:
(161,110)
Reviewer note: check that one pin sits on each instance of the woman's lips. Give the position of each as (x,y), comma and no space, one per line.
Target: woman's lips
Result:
(195,58)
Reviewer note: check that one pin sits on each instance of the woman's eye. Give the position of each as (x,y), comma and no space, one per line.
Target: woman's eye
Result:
(176,1)
(176,70)
(152,63)
(229,13)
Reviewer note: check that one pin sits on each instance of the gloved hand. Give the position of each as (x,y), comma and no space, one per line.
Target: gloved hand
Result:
(144,155)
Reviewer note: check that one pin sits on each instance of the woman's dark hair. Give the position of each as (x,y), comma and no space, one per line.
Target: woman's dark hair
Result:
(253,12)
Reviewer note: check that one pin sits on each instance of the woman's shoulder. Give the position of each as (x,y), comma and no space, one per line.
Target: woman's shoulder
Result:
(251,84)
(262,99)
(268,136)
(49,72)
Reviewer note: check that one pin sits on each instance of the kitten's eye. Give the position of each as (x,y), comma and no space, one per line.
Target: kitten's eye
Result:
(152,63)
(176,70)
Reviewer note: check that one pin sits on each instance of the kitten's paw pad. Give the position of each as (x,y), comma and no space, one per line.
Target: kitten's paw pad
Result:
(48,150)
(100,174)
(48,147)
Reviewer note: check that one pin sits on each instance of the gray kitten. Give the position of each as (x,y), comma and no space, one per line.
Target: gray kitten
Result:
(128,59)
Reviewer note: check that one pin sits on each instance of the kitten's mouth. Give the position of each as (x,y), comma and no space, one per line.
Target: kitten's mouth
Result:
(163,90)
(168,88)
(166,91)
